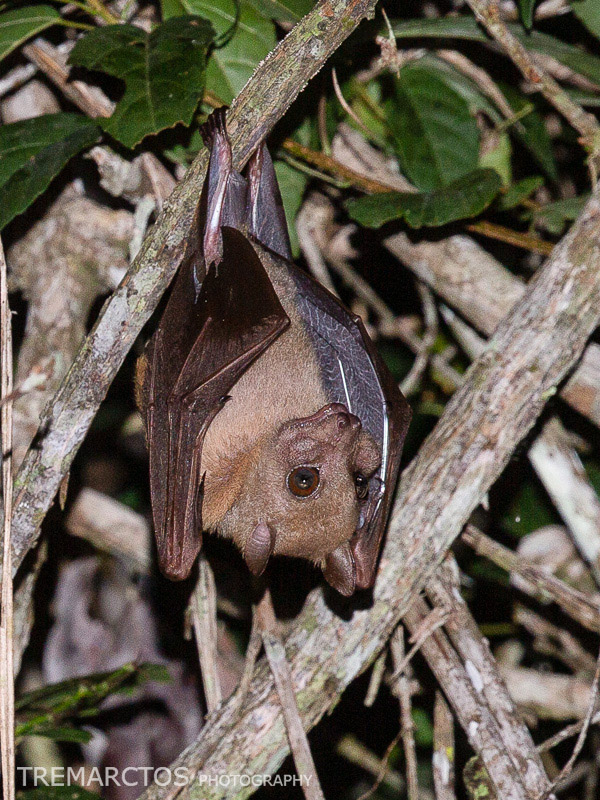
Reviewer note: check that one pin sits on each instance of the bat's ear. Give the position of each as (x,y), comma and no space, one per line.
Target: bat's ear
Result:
(340,570)
(259,548)
(265,213)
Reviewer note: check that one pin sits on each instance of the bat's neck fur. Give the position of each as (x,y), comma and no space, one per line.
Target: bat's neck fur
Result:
(283,384)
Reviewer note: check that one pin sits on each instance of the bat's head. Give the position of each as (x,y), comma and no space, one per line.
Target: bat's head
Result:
(304,494)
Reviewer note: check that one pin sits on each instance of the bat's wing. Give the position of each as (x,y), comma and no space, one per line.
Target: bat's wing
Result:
(355,375)
(209,335)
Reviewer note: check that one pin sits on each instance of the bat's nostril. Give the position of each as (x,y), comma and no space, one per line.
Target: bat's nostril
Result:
(346,420)
(343,420)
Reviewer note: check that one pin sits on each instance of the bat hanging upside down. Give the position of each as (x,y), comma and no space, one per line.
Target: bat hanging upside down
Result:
(270,417)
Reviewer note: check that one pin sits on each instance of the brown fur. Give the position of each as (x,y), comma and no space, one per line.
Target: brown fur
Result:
(256,440)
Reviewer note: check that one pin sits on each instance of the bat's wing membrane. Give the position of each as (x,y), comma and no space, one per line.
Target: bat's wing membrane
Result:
(354,374)
(206,340)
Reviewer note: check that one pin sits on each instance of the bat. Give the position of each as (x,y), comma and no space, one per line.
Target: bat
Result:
(270,417)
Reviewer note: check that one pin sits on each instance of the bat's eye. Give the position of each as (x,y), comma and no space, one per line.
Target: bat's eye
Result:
(303,481)
(362,487)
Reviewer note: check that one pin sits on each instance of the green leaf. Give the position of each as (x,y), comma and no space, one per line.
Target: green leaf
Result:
(77,694)
(292,184)
(230,66)
(464,86)
(588,12)
(20,141)
(526,7)
(465,197)
(58,793)
(423,727)
(466,27)
(164,72)
(499,158)
(64,733)
(171,8)
(519,191)
(532,132)
(19,24)
(33,152)
(554,217)
(436,138)
(288,11)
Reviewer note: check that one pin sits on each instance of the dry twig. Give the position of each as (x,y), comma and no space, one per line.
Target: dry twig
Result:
(443,749)
(401,688)
(581,607)
(480,665)
(203,609)
(566,770)
(7,688)
(487,13)
(282,675)
(474,715)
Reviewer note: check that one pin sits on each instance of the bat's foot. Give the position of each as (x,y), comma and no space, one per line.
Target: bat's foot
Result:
(215,125)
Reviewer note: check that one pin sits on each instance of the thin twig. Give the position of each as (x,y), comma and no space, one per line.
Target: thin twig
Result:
(7,689)
(488,14)
(584,730)
(344,104)
(443,749)
(377,674)
(252,651)
(282,675)
(421,362)
(203,608)
(430,623)
(581,607)
(475,717)
(383,769)
(401,688)
(566,733)
(527,241)
(310,249)
(552,640)
(355,751)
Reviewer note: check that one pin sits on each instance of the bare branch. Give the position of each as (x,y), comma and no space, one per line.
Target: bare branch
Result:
(7,686)
(487,13)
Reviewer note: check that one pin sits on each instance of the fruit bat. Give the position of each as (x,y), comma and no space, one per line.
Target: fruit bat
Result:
(270,417)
